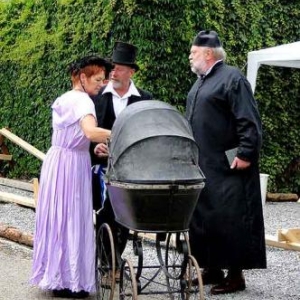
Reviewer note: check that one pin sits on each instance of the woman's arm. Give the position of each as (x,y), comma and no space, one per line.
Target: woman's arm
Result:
(92,132)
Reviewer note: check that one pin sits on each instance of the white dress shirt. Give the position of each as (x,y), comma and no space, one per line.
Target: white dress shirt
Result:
(120,103)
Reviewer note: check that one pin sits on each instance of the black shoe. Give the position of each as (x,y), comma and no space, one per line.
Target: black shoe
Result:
(64,293)
(210,276)
(230,285)
(80,295)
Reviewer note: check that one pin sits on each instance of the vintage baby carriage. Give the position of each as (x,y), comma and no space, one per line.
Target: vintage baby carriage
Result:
(154,182)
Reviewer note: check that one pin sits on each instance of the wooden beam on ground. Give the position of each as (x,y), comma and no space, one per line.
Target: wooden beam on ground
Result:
(27,186)
(29,148)
(5,157)
(9,197)
(282,197)
(291,235)
(274,242)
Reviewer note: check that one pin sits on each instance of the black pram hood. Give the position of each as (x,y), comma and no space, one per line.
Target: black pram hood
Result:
(152,142)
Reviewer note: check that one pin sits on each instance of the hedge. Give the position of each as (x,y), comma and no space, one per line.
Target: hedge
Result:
(40,38)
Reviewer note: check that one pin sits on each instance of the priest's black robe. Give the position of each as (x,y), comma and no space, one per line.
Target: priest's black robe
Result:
(227,228)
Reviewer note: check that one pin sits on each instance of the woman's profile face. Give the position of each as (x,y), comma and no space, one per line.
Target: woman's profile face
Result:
(94,83)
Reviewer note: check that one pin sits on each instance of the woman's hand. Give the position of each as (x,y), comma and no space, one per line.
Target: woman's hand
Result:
(101,150)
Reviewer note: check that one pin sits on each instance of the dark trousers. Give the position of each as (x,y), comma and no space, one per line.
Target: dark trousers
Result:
(106,215)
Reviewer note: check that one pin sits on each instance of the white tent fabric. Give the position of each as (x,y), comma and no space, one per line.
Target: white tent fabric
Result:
(287,55)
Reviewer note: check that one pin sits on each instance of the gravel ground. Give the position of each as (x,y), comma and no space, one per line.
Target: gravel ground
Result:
(281,280)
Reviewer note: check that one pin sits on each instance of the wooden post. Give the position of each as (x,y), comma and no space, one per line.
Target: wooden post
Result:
(4,154)
(35,185)
(29,148)
(35,190)
(5,157)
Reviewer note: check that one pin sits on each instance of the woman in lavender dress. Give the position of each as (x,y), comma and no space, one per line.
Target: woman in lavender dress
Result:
(64,249)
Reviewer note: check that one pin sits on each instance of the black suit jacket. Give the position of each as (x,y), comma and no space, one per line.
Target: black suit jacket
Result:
(106,116)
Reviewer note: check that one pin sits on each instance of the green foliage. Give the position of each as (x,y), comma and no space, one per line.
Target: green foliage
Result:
(279,105)
(38,40)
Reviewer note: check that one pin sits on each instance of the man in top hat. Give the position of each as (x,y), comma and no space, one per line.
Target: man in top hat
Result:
(227,228)
(111,100)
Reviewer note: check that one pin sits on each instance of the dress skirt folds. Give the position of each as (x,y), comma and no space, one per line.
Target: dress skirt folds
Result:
(64,244)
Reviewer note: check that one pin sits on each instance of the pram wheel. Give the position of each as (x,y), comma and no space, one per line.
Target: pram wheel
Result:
(191,284)
(128,284)
(177,251)
(105,263)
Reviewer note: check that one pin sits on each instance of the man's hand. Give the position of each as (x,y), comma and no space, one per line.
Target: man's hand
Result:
(101,150)
(239,164)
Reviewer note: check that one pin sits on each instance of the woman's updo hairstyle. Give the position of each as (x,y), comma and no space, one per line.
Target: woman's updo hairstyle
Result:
(89,65)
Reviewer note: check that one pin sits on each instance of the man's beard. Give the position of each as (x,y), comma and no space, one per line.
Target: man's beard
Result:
(194,70)
(199,69)
(116,84)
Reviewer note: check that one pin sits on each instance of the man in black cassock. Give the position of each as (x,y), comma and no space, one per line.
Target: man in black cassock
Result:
(227,228)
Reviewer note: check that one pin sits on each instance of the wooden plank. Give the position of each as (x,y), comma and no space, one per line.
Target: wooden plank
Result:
(27,186)
(273,242)
(29,148)
(9,197)
(5,157)
(289,235)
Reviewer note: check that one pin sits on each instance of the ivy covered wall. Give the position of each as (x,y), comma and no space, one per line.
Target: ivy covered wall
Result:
(38,39)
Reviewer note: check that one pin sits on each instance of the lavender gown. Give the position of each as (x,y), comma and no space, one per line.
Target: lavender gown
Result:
(64,249)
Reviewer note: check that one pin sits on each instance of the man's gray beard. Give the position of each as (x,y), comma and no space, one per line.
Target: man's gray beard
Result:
(116,84)
(197,72)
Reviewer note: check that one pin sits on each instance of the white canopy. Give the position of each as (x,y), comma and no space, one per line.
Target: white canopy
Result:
(287,55)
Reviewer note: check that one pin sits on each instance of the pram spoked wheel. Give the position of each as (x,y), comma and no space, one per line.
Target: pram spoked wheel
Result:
(192,285)
(128,284)
(181,269)
(177,251)
(105,263)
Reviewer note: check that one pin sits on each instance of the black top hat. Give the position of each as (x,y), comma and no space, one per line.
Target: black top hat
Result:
(89,60)
(125,54)
(207,38)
